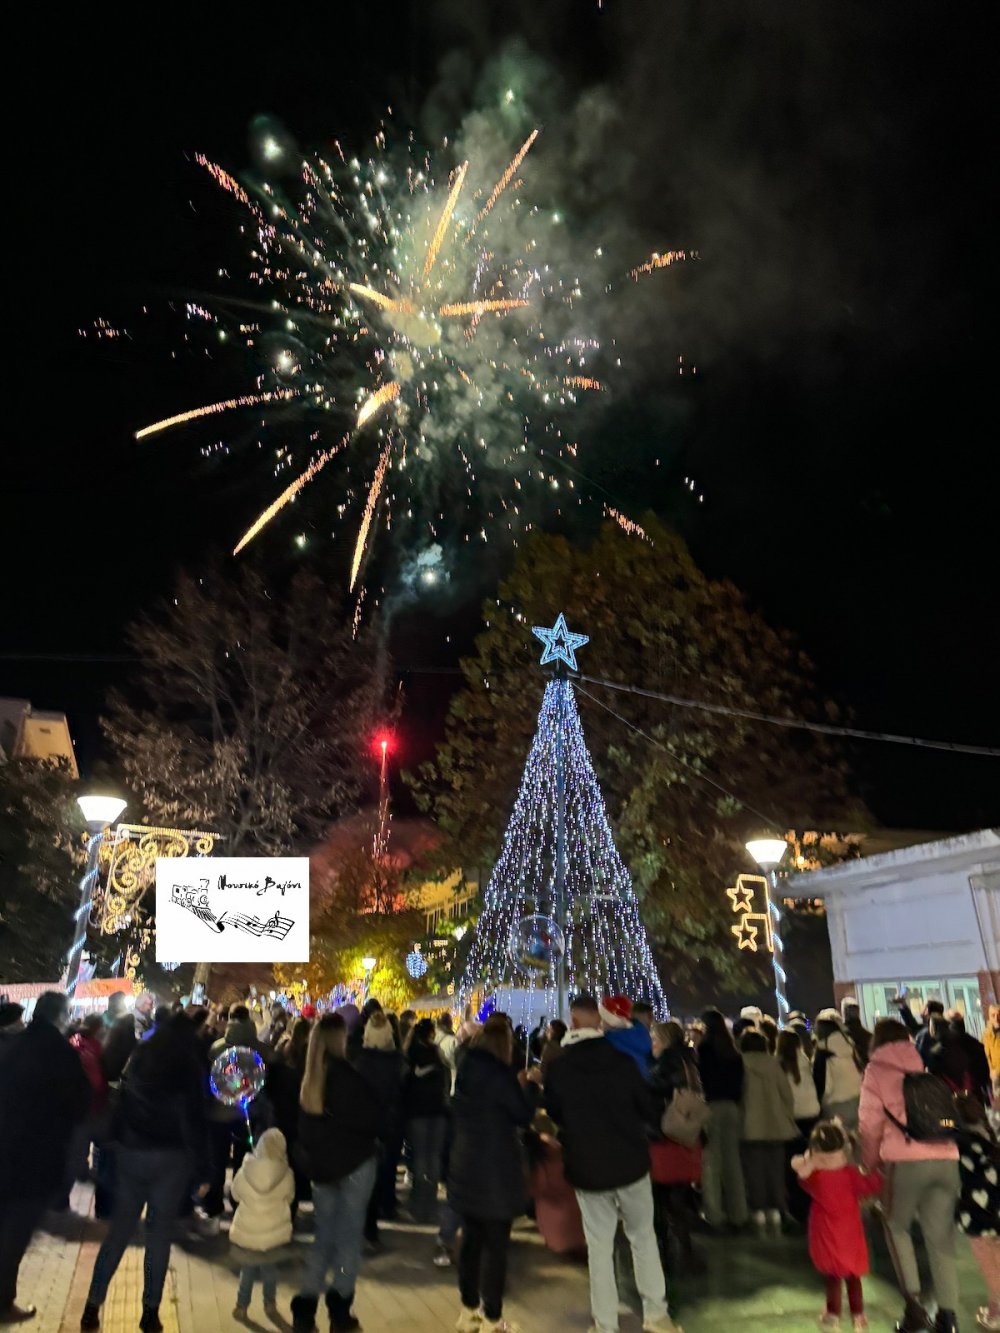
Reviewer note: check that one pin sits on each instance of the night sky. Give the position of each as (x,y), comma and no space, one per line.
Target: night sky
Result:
(828,163)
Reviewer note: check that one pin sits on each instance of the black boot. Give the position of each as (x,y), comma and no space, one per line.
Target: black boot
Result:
(91,1317)
(945,1322)
(915,1318)
(150,1321)
(339,1307)
(304,1314)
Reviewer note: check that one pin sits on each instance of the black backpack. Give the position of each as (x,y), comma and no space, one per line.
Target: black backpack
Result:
(931,1111)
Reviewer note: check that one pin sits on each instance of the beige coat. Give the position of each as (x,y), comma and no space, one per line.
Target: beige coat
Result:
(767,1100)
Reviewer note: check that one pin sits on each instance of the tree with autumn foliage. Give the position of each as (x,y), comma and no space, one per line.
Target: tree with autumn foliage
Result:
(684,787)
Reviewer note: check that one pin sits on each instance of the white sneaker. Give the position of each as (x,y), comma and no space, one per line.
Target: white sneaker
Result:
(774,1220)
(830,1323)
(469,1321)
(499,1326)
(759,1219)
(662,1325)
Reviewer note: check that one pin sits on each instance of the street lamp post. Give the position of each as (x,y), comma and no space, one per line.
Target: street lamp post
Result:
(767,852)
(368,964)
(98,812)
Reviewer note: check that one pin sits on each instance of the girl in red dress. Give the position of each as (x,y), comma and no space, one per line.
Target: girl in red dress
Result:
(837,1243)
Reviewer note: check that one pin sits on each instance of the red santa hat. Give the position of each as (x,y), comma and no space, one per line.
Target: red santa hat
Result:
(615,1011)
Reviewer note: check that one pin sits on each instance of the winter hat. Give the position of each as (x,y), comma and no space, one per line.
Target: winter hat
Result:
(615,1011)
(828,1016)
(849,1002)
(378,1034)
(753,1012)
(350,1014)
(308,1011)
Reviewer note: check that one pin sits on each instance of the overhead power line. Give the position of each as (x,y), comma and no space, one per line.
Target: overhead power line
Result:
(826,728)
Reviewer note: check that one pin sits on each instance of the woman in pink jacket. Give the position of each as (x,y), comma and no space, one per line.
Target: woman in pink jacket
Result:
(922,1181)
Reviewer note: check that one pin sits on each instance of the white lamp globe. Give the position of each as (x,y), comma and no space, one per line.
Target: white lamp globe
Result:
(767,851)
(100,810)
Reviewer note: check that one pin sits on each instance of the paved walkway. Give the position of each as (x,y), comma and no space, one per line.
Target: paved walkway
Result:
(750,1285)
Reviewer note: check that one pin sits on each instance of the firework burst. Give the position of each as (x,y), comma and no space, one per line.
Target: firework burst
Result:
(419,316)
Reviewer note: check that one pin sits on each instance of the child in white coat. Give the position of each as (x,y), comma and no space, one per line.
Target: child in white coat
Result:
(263,1189)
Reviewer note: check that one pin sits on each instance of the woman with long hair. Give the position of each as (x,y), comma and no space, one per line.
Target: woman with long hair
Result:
(338,1119)
(922,1178)
(486,1184)
(795,1066)
(674,1067)
(720,1067)
(425,1107)
(284,1084)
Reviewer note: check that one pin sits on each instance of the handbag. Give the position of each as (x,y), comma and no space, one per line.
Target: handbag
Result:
(685,1116)
(674,1164)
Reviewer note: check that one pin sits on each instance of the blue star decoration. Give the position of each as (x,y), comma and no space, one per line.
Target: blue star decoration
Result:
(560,642)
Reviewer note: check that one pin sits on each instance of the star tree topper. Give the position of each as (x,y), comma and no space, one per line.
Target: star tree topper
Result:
(560,642)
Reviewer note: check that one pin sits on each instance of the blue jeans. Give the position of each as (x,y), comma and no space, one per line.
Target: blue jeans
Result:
(249,1273)
(339,1218)
(426,1134)
(156,1178)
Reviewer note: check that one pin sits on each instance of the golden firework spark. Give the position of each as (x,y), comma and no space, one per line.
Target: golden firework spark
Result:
(507,177)
(366,518)
(582,382)
(289,493)
(627,524)
(437,240)
(480,307)
(246,400)
(656,261)
(223,178)
(376,401)
(379,298)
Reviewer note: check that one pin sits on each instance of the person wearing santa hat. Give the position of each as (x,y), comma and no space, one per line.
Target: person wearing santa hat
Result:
(632,1039)
(603,1106)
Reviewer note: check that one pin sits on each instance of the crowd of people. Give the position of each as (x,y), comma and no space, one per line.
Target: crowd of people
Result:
(613,1123)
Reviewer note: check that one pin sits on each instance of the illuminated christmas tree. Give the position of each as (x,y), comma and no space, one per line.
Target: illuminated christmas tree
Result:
(560,913)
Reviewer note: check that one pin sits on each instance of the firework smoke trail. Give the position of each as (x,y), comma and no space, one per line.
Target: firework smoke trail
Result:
(366,519)
(247,400)
(506,178)
(423,318)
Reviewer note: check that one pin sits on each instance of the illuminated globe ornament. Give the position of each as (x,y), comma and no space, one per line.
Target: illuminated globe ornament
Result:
(416,964)
(237,1076)
(537,944)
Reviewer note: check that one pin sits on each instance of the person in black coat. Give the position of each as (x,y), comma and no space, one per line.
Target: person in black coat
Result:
(161,1145)
(425,1107)
(382,1066)
(338,1120)
(486,1181)
(284,1084)
(44,1094)
(604,1108)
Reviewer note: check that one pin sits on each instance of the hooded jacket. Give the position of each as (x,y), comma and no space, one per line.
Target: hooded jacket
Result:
(834,1071)
(43,1094)
(603,1107)
(263,1188)
(634,1041)
(881,1091)
(767,1100)
(384,1072)
(837,1243)
(486,1176)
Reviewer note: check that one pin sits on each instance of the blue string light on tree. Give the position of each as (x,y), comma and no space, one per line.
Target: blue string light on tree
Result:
(594,907)
(416,964)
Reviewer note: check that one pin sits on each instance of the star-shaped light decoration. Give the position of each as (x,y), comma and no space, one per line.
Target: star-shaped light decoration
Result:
(746,934)
(742,892)
(560,642)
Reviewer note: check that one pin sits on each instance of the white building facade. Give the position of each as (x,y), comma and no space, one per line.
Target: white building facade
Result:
(926,918)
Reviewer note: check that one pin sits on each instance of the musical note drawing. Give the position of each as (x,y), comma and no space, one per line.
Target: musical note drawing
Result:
(276,927)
